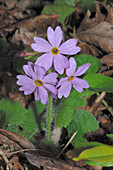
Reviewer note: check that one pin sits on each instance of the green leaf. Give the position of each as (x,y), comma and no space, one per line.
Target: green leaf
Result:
(68,2)
(87,4)
(99,83)
(19,62)
(62,10)
(84,58)
(33,120)
(67,108)
(13,110)
(93,163)
(12,115)
(110,135)
(100,154)
(2,118)
(83,122)
(3,42)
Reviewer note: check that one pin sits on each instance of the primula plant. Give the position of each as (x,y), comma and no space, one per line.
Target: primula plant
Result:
(61,79)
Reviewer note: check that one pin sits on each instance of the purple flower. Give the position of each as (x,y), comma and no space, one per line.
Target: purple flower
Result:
(71,79)
(54,51)
(36,80)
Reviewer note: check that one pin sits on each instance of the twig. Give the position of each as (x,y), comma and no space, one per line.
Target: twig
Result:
(67,144)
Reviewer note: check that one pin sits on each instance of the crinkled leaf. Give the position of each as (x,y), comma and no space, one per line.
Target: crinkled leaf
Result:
(63,11)
(99,83)
(84,58)
(87,4)
(68,2)
(83,122)
(100,154)
(12,115)
(33,120)
(67,108)
(13,110)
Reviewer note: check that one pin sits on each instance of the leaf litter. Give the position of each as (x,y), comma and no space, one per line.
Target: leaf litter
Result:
(94,35)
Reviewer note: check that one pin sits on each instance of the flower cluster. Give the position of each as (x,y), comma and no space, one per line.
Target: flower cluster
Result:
(35,78)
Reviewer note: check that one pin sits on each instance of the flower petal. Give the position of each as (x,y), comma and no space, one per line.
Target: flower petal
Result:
(82,69)
(70,71)
(79,84)
(40,71)
(64,90)
(52,89)
(27,84)
(50,35)
(55,37)
(37,96)
(60,62)
(29,70)
(41,45)
(58,36)
(61,81)
(45,61)
(43,94)
(69,47)
(51,78)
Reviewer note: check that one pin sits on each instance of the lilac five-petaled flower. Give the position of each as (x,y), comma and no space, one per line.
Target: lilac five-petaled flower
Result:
(71,79)
(54,51)
(36,80)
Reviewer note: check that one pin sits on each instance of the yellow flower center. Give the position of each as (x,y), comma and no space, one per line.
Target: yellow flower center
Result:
(71,78)
(54,50)
(38,82)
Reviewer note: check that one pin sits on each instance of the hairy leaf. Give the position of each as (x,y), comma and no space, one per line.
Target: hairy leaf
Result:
(62,10)
(100,83)
(67,108)
(84,58)
(83,122)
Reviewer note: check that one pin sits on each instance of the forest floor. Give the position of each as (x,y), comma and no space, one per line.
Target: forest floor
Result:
(20,21)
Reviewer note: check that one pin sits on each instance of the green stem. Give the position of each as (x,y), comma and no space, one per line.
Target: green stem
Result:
(49,116)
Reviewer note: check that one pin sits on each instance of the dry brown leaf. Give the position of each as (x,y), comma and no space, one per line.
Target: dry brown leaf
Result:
(48,162)
(10,145)
(101,36)
(16,164)
(89,22)
(23,142)
(36,26)
(109,9)
(107,59)
(22,5)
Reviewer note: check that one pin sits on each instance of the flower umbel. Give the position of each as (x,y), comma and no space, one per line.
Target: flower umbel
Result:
(54,51)
(35,79)
(71,79)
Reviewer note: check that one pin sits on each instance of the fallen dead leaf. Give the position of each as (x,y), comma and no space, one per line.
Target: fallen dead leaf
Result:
(100,36)
(36,26)
(48,162)
(23,142)
(22,5)
(107,59)
(89,22)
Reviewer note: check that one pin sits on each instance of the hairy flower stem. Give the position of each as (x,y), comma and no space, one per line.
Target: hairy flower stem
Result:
(49,116)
